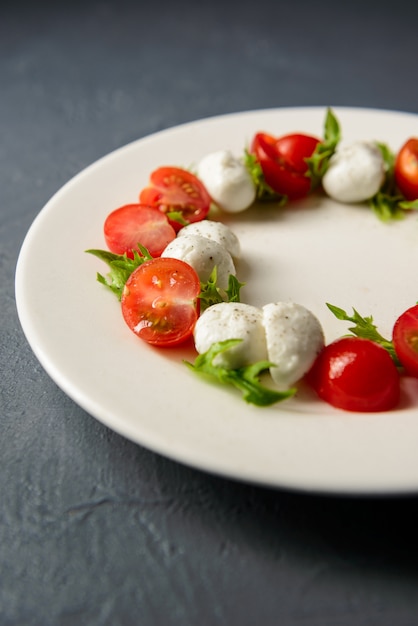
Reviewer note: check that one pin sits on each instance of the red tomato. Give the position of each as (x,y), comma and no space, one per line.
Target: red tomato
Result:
(172,189)
(405,340)
(356,375)
(406,169)
(131,224)
(160,301)
(283,162)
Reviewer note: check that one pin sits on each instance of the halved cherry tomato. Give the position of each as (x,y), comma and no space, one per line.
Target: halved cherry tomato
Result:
(131,224)
(356,375)
(174,190)
(406,169)
(160,301)
(405,339)
(283,161)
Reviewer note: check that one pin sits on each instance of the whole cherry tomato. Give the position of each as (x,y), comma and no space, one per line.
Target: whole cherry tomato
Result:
(356,375)
(406,169)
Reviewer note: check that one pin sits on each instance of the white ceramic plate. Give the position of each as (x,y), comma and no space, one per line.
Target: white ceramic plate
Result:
(312,253)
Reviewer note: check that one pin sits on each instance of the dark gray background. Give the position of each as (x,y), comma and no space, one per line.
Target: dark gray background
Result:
(93,528)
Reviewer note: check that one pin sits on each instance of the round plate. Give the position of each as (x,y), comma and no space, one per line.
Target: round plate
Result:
(312,252)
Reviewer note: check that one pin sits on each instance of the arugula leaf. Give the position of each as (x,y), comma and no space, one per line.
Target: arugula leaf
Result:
(246,379)
(407,205)
(263,190)
(387,207)
(211,294)
(177,216)
(365,329)
(389,159)
(388,204)
(234,289)
(319,161)
(121,267)
(385,203)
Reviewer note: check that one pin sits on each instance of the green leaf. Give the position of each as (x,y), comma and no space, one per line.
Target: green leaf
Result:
(246,379)
(233,291)
(332,131)
(389,207)
(386,207)
(388,157)
(388,204)
(319,161)
(120,266)
(365,329)
(211,294)
(177,216)
(263,190)
(409,205)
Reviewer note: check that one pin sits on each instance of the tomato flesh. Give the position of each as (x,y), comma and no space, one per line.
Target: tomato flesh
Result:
(160,301)
(283,162)
(174,190)
(131,224)
(405,340)
(406,169)
(356,375)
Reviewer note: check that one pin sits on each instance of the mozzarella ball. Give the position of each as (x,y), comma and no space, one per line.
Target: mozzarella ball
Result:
(294,338)
(217,231)
(227,181)
(356,172)
(203,255)
(232,320)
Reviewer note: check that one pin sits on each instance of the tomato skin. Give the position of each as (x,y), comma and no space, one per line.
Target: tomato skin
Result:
(160,301)
(406,169)
(131,224)
(172,189)
(283,161)
(295,149)
(356,374)
(150,196)
(405,340)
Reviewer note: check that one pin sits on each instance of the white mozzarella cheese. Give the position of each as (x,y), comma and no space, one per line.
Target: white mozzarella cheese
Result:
(227,181)
(356,172)
(217,231)
(203,255)
(232,320)
(294,338)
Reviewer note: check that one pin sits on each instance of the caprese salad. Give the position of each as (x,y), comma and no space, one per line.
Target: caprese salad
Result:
(173,269)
